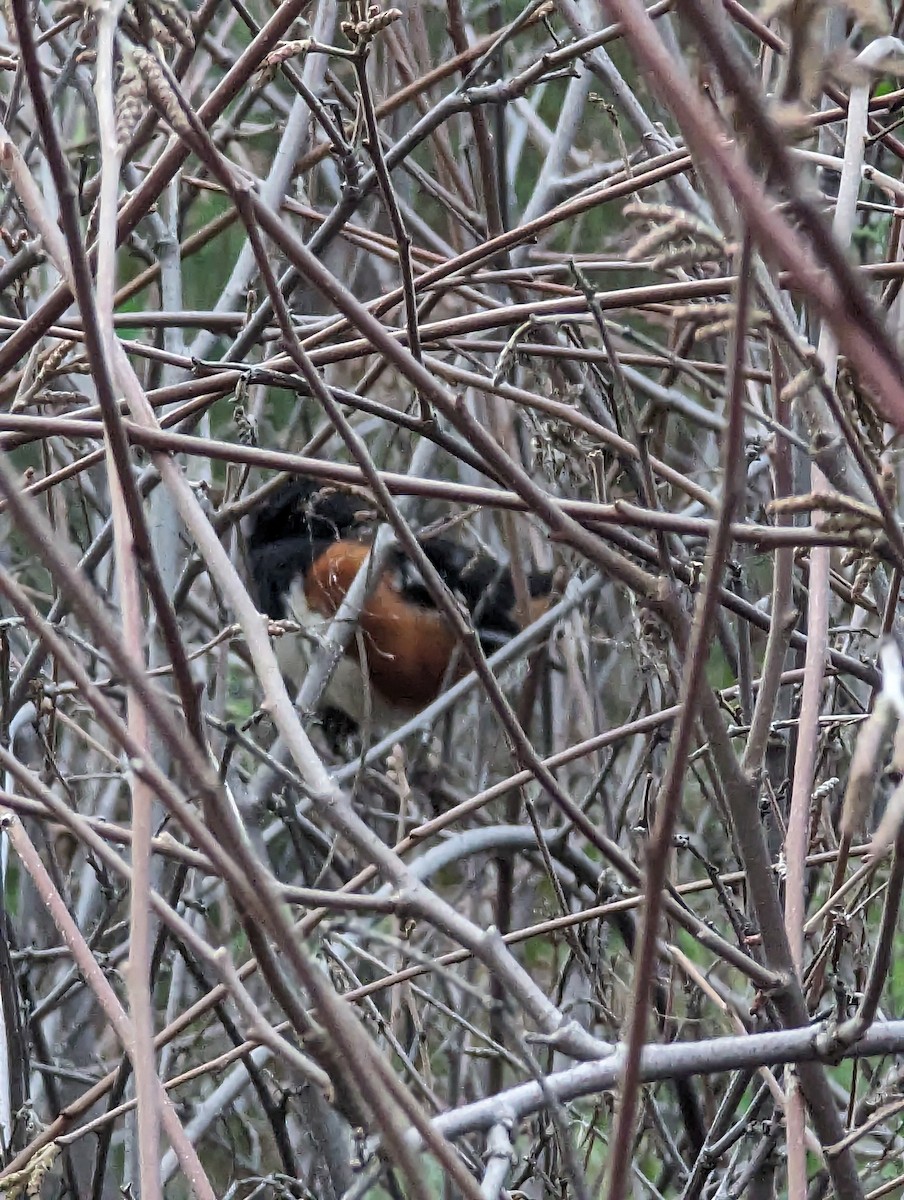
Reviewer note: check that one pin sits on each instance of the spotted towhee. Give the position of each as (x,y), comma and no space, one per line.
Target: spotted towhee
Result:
(305,547)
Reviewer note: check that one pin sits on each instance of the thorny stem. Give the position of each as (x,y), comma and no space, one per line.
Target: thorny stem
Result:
(693,680)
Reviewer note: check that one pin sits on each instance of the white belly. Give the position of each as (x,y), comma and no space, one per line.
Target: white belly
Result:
(348,689)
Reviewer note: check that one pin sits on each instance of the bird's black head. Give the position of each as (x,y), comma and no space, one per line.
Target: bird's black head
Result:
(309,509)
(291,528)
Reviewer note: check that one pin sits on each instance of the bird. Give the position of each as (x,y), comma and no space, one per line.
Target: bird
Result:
(306,544)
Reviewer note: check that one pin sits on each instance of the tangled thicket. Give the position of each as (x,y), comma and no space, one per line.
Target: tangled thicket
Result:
(605,289)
